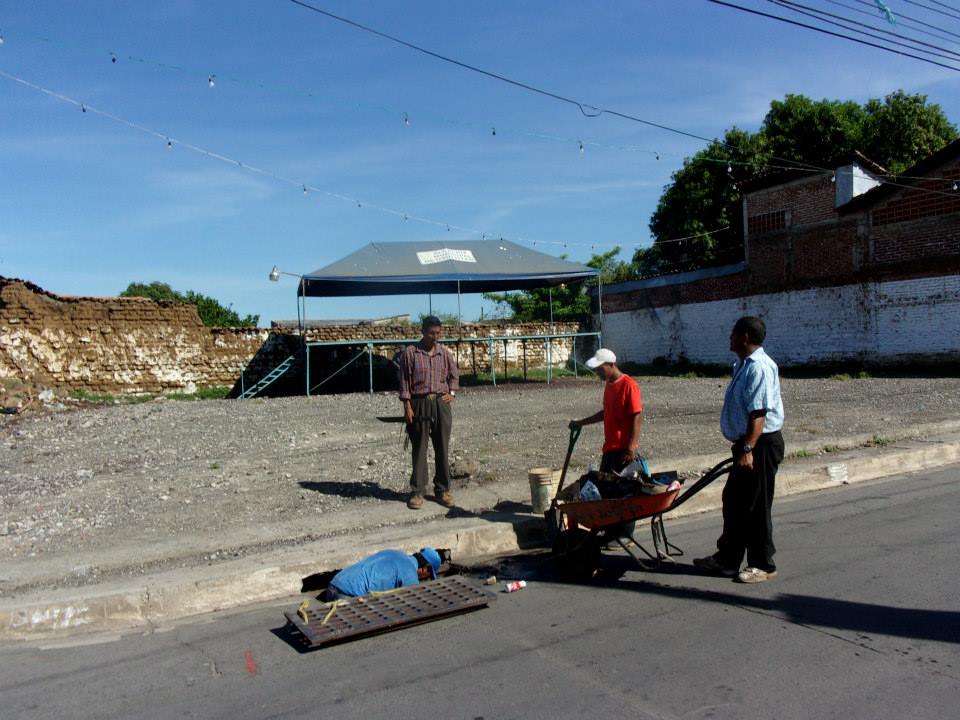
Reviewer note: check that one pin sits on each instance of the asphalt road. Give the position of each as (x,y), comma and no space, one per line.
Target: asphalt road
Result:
(863,622)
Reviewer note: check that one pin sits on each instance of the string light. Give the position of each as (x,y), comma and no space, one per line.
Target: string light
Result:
(211,80)
(406,120)
(580,142)
(954,185)
(113,57)
(169,144)
(304,189)
(2,39)
(83,108)
(833,178)
(493,131)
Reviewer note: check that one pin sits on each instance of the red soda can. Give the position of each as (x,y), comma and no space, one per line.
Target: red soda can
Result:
(514,585)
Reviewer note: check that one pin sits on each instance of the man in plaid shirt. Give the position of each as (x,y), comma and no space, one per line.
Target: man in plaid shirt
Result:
(429,379)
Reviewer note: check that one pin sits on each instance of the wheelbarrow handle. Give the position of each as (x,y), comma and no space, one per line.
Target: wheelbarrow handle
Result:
(574,435)
(721,468)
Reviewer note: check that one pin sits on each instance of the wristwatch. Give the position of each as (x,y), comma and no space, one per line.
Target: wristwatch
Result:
(746,448)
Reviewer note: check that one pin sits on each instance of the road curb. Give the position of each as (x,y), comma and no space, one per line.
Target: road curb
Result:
(153,601)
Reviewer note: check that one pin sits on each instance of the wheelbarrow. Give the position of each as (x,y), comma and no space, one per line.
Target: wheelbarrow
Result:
(583,527)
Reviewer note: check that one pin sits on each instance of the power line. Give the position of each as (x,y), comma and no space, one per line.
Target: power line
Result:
(586,109)
(900,16)
(816,13)
(900,21)
(826,32)
(935,10)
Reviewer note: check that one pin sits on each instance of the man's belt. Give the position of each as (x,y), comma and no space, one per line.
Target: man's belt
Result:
(426,397)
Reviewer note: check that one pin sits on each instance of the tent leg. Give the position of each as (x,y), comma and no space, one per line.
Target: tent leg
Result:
(493,364)
(549,359)
(575,356)
(370,364)
(307,369)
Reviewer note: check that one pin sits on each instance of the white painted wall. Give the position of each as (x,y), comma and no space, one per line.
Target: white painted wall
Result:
(874,322)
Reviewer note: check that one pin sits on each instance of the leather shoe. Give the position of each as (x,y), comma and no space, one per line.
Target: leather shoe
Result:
(415,502)
(445,498)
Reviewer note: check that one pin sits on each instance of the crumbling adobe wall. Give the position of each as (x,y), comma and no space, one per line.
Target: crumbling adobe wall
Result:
(134,345)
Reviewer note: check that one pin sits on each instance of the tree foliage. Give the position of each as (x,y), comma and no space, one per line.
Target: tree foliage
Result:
(570,301)
(704,194)
(211,312)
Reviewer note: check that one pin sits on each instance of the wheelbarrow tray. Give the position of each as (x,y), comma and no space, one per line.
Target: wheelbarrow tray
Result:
(600,514)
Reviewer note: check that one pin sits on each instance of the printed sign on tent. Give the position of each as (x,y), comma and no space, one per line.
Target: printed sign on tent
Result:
(430,257)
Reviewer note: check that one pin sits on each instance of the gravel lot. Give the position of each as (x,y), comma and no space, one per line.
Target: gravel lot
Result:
(85,478)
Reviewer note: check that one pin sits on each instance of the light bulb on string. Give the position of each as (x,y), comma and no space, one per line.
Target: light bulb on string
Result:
(358,204)
(406,120)
(448,228)
(304,189)
(729,169)
(493,131)
(169,144)
(833,178)
(83,108)
(113,57)
(955,186)
(2,39)
(656,155)
(404,217)
(211,80)
(580,143)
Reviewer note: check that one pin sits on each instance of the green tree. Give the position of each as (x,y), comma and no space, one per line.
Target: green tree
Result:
(211,312)
(704,194)
(703,197)
(570,300)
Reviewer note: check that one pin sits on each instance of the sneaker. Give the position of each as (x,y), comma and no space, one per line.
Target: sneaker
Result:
(711,565)
(445,498)
(755,575)
(415,502)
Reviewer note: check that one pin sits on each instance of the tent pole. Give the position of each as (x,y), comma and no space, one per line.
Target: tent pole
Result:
(600,306)
(459,318)
(430,304)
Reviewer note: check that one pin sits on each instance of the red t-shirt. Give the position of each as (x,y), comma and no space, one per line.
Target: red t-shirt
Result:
(621,401)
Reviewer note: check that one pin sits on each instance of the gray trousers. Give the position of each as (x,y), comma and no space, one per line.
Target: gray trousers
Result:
(432,421)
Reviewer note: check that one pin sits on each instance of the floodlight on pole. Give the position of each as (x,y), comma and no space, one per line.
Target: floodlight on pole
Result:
(277,272)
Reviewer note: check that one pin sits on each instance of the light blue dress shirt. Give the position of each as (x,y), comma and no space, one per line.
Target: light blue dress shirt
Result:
(755,386)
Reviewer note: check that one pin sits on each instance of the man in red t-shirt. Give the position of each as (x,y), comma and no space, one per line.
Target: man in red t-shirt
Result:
(622,413)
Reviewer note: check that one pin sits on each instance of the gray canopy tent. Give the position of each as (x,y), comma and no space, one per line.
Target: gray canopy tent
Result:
(441,267)
(465,266)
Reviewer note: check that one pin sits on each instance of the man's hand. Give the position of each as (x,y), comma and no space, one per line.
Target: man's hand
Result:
(447,398)
(408,413)
(628,456)
(745,460)
(574,424)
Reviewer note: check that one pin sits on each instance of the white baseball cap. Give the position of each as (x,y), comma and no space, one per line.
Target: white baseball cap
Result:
(600,357)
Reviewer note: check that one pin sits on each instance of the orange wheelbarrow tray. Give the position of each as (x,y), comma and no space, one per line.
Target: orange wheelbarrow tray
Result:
(580,524)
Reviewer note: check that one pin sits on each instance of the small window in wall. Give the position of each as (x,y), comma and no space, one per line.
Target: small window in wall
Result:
(768,222)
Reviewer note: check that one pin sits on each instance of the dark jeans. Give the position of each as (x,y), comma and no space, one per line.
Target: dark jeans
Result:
(612,461)
(747,499)
(432,421)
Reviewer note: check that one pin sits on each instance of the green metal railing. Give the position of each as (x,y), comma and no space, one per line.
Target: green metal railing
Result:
(491,342)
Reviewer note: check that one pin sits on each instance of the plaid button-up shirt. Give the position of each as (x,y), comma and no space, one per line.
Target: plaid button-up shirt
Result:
(422,373)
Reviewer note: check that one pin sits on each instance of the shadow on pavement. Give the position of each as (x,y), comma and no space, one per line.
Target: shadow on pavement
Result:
(807,610)
(363,488)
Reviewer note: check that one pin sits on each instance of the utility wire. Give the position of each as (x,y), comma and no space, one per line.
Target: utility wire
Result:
(815,13)
(900,21)
(586,109)
(826,32)
(907,17)
(953,14)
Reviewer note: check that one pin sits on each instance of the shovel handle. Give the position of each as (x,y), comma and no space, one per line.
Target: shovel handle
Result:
(574,435)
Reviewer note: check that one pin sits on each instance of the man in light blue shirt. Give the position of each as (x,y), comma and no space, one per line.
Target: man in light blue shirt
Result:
(751,419)
(385,570)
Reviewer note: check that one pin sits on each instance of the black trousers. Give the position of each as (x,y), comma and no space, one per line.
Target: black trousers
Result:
(432,421)
(747,499)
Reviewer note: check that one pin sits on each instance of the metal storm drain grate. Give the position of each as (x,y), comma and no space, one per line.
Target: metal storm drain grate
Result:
(328,623)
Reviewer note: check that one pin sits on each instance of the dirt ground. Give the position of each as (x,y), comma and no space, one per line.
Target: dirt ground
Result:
(87,477)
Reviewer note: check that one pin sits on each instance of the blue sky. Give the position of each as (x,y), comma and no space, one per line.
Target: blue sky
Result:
(88,204)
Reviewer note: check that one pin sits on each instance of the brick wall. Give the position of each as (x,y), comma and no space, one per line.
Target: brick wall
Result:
(116,345)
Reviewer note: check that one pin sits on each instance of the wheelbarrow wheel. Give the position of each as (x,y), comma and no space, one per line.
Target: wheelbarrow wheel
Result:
(578,553)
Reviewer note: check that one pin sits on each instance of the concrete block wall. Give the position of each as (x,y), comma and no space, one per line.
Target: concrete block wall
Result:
(877,322)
